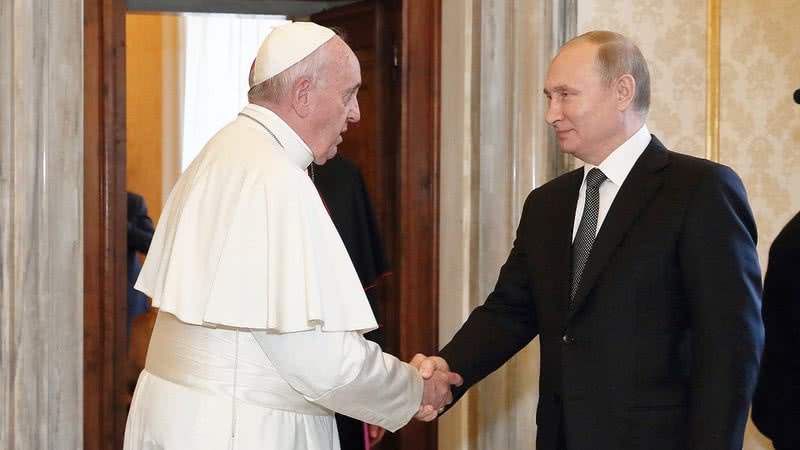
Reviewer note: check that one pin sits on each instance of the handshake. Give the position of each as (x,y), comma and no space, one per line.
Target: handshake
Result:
(437,378)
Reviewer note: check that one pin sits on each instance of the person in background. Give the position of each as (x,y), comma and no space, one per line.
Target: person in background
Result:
(140,234)
(341,185)
(776,403)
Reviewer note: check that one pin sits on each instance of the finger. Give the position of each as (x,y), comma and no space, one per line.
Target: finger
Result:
(427,368)
(429,417)
(379,433)
(426,416)
(455,379)
(417,360)
(424,410)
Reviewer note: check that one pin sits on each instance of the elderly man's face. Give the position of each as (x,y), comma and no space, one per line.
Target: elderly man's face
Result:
(336,104)
(582,109)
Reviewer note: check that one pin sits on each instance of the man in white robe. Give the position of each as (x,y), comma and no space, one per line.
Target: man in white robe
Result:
(259,335)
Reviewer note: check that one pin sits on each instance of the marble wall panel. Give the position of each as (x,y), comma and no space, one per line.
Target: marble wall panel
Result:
(41,224)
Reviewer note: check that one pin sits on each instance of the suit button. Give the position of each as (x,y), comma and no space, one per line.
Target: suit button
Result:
(567,339)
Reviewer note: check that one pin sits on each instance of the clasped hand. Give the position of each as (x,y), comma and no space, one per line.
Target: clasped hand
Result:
(437,379)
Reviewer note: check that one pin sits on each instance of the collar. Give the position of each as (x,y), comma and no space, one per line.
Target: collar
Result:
(296,148)
(619,163)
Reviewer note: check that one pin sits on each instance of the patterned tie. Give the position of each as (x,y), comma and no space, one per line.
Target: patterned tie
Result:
(584,238)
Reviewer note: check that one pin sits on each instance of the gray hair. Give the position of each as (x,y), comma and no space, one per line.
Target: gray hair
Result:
(617,55)
(274,89)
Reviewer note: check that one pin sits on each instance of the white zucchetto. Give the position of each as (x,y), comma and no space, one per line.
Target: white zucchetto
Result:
(287,45)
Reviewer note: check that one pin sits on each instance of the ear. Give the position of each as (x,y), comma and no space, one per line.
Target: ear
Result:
(624,91)
(301,97)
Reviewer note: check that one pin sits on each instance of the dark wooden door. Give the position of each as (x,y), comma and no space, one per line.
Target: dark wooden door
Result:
(400,176)
(105,225)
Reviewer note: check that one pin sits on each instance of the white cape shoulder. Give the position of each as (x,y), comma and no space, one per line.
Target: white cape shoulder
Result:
(244,240)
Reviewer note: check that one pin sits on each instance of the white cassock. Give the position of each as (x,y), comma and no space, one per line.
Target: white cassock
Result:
(259,334)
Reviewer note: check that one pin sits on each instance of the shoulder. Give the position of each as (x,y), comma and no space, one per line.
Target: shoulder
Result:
(700,170)
(556,189)
(136,205)
(241,149)
(788,240)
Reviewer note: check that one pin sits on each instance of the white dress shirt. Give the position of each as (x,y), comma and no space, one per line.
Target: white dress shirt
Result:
(616,168)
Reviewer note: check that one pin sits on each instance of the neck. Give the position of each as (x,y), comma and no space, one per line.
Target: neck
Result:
(288,115)
(285,113)
(629,124)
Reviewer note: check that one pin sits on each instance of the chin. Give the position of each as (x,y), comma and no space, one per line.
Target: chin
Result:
(322,159)
(567,149)
(331,153)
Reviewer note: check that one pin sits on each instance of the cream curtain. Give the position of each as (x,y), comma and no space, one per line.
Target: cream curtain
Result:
(218,52)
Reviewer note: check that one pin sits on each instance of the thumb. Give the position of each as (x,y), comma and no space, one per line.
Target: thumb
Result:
(455,379)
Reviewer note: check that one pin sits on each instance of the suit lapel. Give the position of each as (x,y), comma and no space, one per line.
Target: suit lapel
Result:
(561,252)
(635,193)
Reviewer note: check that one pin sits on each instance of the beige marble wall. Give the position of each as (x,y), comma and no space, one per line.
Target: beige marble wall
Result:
(672,36)
(495,148)
(456,211)
(41,231)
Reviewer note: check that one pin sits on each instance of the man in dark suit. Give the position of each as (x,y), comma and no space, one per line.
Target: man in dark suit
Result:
(638,272)
(140,233)
(776,404)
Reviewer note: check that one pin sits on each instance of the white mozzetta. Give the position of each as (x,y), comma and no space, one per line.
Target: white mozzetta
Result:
(244,239)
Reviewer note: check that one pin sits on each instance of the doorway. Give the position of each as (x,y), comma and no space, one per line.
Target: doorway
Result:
(397,150)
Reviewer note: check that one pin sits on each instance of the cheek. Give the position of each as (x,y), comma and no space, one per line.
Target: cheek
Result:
(581,116)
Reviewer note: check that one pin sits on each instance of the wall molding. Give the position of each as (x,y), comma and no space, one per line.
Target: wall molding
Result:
(712,79)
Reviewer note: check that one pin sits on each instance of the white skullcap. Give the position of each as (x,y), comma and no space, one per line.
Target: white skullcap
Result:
(287,45)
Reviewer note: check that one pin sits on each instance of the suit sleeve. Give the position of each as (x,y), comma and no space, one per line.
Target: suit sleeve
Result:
(140,226)
(345,373)
(722,280)
(499,328)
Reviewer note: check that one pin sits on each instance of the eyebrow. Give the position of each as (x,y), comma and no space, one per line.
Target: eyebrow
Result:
(559,88)
(354,88)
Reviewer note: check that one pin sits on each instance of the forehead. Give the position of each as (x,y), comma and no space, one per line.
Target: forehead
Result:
(352,68)
(573,65)
(344,64)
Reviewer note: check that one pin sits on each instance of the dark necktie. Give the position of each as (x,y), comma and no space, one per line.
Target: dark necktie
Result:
(584,237)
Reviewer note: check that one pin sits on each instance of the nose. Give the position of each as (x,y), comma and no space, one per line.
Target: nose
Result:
(355,113)
(553,113)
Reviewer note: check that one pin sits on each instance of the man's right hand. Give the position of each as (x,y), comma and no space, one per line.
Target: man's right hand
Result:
(437,378)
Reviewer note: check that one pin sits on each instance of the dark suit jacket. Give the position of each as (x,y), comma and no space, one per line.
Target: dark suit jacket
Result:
(776,404)
(661,348)
(140,233)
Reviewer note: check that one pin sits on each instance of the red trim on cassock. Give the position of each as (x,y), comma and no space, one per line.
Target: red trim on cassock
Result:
(380,277)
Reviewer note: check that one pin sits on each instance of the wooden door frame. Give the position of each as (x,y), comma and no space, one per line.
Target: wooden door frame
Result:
(418,178)
(105,210)
(105,225)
